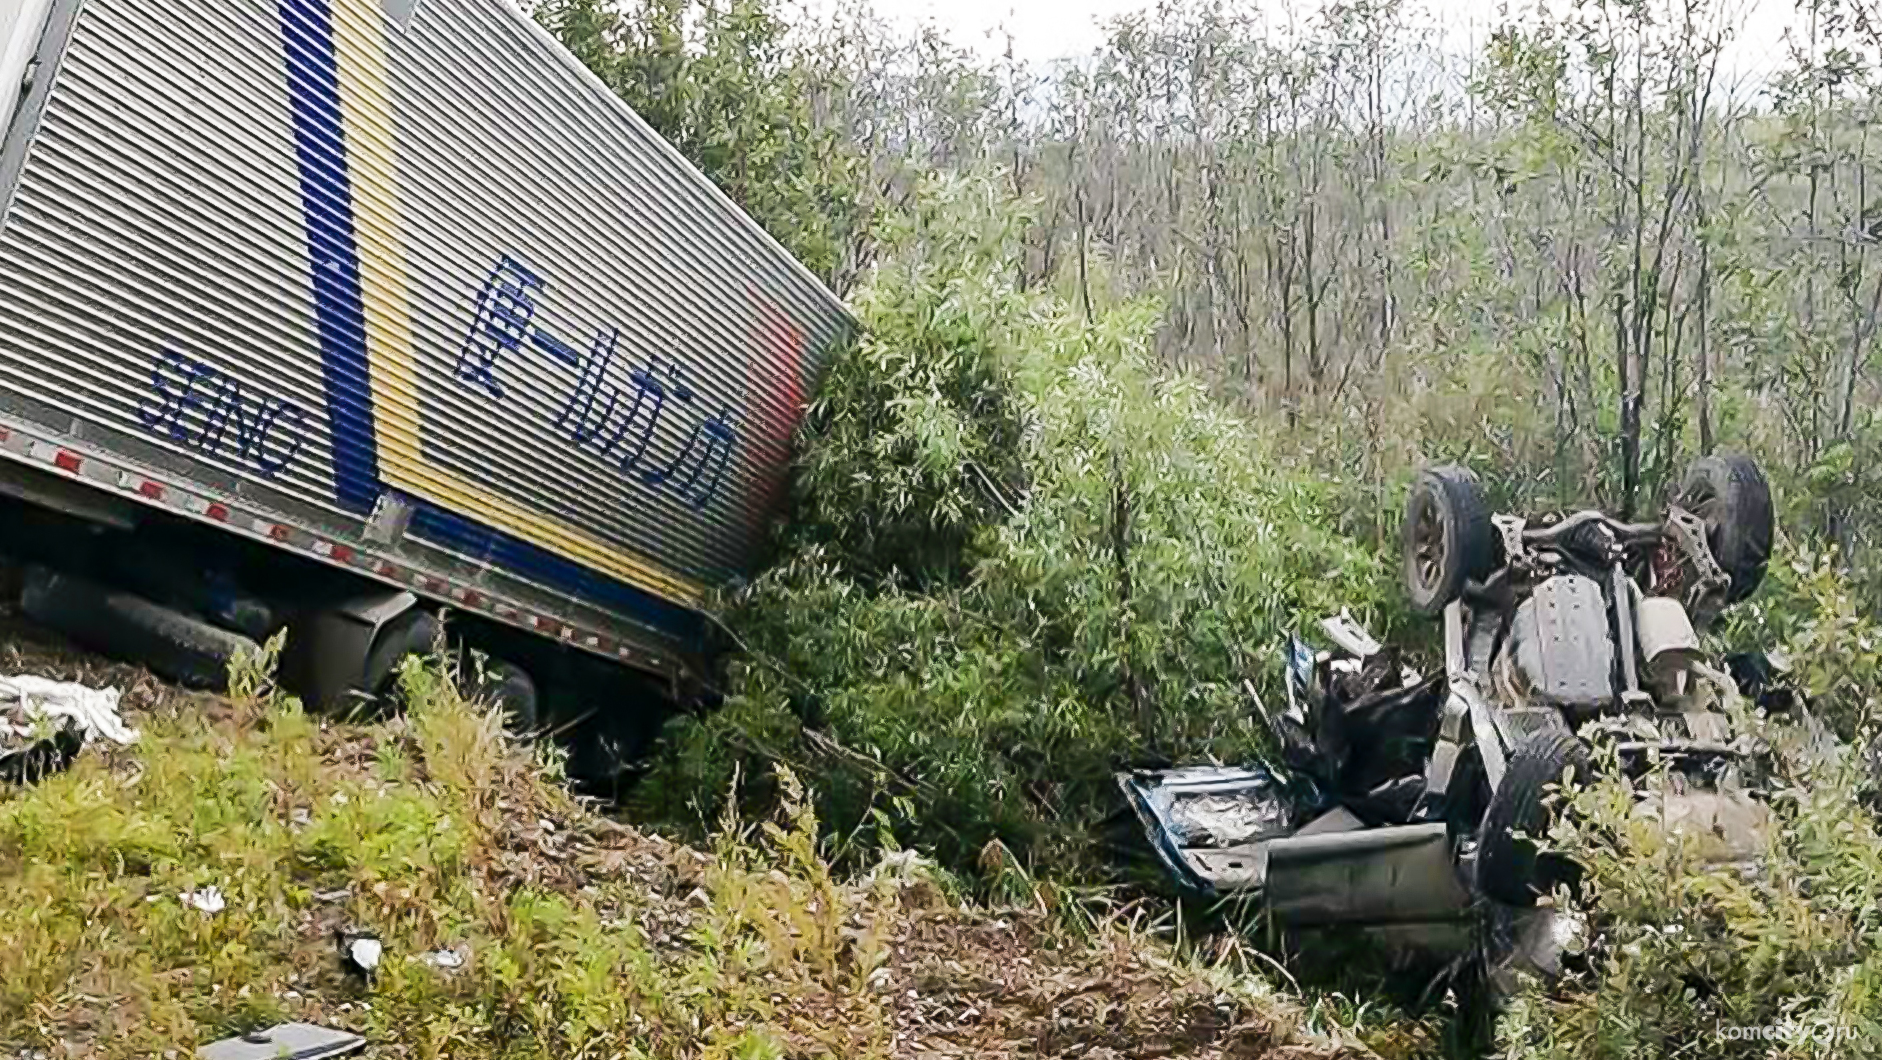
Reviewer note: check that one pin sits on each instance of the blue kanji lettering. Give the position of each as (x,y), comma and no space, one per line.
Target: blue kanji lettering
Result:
(603,413)
(556,348)
(650,394)
(591,386)
(719,441)
(694,461)
(506,305)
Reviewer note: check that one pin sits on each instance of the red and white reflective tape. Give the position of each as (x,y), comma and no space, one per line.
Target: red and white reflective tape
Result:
(100,471)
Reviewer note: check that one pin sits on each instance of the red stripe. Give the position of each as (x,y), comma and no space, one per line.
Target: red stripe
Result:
(342,554)
(278,532)
(67,461)
(217,512)
(151,489)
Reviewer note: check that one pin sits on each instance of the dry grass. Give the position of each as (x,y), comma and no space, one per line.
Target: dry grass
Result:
(583,937)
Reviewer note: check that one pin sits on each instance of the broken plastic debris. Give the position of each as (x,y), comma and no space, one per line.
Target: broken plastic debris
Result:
(446,959)
(360,953)
(44,724)
(1346,632)
(209,899)
(27,699)
(303,1041)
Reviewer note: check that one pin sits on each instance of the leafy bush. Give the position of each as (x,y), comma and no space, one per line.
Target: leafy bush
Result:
(1021,557)
(1829,638)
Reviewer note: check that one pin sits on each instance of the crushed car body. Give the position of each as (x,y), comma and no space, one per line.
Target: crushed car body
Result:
(1571,644)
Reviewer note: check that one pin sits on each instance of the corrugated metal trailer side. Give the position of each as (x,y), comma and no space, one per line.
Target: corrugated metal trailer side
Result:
(402,286)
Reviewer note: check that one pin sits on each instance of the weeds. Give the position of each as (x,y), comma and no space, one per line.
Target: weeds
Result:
(580,937)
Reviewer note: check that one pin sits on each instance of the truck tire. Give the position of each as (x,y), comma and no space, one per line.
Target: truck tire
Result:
(1729,494)
(186,581)
(1509,868)
(1448,537)
(412,633)
(511,692)
(171,644)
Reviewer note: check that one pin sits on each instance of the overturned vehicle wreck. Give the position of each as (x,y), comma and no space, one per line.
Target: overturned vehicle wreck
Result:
(1408,801)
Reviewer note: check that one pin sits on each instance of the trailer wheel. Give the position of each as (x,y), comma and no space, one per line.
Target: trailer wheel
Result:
(1509,868)
(511,692)
(170,643)
(412,633)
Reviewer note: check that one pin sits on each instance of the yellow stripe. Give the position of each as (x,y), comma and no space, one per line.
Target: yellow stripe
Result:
(359,45)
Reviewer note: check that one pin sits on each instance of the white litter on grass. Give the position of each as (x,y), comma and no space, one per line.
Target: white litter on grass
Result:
(446,959)
(365,952)
(209,899)
(27,703)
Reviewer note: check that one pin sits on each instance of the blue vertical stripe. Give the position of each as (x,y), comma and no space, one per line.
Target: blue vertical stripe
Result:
(327,207)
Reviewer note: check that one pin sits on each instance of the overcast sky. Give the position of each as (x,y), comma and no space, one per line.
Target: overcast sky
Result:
(1048,29)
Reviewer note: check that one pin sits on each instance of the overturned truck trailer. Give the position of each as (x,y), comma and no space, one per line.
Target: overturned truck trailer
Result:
(362,309)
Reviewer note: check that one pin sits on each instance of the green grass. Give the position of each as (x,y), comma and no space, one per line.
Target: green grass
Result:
(584,937)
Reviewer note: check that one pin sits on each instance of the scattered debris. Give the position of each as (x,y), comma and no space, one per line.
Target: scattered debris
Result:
(448,959)
(44,724)
(302,1041)
(338,895)
(359,952)
(208,899)
(1345,631)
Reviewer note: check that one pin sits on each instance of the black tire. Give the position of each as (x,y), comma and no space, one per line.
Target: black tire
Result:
(1509,869)
(188,581)
(1448,537)
(412,633)
(170,643)
(1729,493)
(511,692)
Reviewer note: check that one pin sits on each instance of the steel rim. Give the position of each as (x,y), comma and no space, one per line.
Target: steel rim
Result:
(1706,503)
(1427,544)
